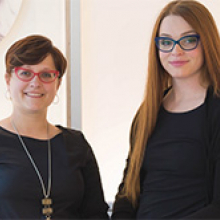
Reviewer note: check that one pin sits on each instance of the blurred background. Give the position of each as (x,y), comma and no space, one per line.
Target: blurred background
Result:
(106,44)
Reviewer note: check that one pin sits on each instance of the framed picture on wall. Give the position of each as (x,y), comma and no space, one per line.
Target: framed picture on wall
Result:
(8,13)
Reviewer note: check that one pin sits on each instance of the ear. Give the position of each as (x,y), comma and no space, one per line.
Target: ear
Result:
(59,83)
(7,78)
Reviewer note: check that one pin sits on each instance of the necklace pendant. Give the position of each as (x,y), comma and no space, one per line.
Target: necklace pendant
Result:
(47,210)
(46,201)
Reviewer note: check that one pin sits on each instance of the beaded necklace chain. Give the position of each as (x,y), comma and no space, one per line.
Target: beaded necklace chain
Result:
(46,201)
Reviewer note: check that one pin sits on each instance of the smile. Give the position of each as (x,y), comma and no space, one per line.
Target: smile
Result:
(178,63)
(34,95)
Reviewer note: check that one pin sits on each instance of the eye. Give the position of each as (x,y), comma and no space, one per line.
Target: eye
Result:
(165,42)
(24,73)
(47,75)
(191,39)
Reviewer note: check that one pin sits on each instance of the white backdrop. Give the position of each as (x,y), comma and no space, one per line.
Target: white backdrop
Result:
(115,36)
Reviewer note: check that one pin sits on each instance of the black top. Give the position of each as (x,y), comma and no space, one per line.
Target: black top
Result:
(184,168)
(173,170)
(76,187)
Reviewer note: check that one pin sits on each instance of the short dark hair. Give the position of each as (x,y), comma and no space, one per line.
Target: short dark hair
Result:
(32,50)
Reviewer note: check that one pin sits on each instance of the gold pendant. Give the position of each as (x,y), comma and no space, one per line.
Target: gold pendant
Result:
(47,210)
(46,201)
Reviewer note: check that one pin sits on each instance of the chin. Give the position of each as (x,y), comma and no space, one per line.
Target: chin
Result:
(34,110)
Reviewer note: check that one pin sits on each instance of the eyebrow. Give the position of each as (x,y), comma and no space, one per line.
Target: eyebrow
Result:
(183,34)
(28,67)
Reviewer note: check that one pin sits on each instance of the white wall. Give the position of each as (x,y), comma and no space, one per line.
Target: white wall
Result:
(46,17)
(115,36)
(115,39)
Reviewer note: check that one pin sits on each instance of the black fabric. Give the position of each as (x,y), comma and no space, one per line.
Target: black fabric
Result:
(174,168)
(199,160)
(76,187)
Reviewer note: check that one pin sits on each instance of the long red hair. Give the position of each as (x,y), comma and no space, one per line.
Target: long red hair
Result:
(158,80)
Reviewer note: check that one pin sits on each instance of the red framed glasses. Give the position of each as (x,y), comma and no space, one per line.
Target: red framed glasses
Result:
(26,75)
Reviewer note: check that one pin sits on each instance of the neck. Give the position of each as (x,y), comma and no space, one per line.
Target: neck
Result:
(188,88)
(184,96)
(31,126)
(188,92)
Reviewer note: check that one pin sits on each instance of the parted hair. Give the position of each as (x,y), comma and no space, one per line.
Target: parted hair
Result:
(32,50)
(158,80)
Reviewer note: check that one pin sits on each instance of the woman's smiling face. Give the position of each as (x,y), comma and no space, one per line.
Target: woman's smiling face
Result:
(33,96)
(180,63)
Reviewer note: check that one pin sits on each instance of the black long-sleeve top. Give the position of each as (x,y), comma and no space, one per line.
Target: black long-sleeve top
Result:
(179,179)
(76,186)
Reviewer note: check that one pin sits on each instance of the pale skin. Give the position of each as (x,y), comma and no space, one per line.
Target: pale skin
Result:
(188,91)
(30,101)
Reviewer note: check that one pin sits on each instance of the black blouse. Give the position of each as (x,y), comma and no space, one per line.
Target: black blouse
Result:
(183,163)
(76,187)
(174,167)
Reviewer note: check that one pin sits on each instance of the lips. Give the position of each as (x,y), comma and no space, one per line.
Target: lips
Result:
(178,63)
(34,95)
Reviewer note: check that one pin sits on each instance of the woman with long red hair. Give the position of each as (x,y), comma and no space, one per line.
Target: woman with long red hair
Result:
(173,167)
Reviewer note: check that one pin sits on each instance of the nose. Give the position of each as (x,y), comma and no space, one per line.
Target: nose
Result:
(177,50)
(35,82)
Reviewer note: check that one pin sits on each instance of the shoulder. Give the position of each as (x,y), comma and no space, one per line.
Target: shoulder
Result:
(5,123)
(70,131)
(73,138)
(77,145)
(213,104)
(213,116)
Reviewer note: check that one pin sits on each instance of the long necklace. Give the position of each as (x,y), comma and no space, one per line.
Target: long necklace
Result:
(46,201)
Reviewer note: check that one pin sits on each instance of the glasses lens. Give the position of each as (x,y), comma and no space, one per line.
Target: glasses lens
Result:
(48,76)
(165,44)
(25,75)
(189,42)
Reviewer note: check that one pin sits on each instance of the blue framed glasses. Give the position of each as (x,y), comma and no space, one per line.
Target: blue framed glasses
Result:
(167,44)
